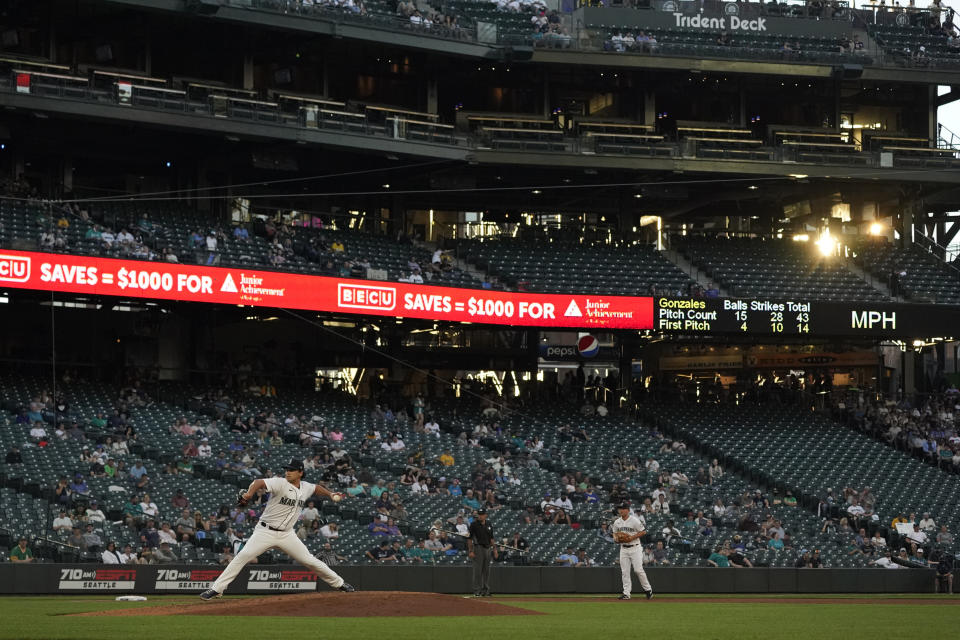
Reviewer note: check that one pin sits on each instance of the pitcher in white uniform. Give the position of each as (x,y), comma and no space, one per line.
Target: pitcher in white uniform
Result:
(288,496)
(631,549)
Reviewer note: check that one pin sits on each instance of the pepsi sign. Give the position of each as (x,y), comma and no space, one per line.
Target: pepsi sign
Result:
(587,348)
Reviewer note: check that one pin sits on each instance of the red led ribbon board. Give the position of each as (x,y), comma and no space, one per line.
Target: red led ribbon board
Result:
(163,281)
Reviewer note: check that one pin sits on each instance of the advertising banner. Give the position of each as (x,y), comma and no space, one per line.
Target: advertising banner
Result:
(239,286)
(185,579)
(689,18)
(586,348)
(274,580)
(97,579)
(819,359)
(701,362)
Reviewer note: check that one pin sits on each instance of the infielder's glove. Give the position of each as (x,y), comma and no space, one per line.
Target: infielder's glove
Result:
(241,498)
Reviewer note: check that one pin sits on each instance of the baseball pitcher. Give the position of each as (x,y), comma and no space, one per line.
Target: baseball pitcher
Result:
(627,530)
(288,495)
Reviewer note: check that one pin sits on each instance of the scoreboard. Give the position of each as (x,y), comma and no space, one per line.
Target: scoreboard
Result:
(799,318)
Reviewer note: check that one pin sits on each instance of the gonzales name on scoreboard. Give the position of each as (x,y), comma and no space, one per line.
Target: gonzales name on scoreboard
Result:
(687,314)
(281,580)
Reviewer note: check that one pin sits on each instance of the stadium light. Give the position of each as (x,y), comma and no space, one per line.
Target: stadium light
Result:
(876,229)
(826,243)
(801,237)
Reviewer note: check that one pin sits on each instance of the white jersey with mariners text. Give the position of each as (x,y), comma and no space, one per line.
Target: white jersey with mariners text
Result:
(633,524)
(286,502)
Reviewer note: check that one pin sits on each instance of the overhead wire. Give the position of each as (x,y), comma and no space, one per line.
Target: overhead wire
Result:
(129,197)
(495,189)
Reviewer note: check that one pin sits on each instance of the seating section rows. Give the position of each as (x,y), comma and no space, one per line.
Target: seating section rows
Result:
(710,43)
(916,46)
(567,267)
(158,228)
(808,453)
(911,272)
(208,488)
(777,269)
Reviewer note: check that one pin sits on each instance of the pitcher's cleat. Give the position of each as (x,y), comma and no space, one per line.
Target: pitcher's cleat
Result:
(209,594)
(346,587)
(649,595)
(623,597)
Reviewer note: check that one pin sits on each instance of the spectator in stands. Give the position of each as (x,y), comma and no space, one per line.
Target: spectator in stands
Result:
(13,456)
(79,485)
(92,539)
(737,557)
(129,556)
(62,523)
(179,500)
(94,513)
(775,542)
(190,449)
(917,535)
(724,39)
(21,553)
(661,505)
(379,553)
(567,559)
(38,433)
(185,524)
(110,554)
(165,554)
(719,558)
(76,539)
(715,471)
(886,561)
(166,534)
(927,524)
(944,537)
(330,557)
(378,527)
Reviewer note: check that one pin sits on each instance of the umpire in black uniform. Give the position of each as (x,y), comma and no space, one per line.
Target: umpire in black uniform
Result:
(481,547)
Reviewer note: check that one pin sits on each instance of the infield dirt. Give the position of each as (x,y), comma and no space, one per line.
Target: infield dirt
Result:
(362,604)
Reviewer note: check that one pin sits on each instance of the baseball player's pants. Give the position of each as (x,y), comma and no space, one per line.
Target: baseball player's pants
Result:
(632,558)
(481,569)
(287,541)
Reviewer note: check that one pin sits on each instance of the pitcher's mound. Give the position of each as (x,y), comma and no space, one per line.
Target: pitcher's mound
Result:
(362,604)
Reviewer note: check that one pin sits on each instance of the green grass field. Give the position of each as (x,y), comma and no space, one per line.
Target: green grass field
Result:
(664,617)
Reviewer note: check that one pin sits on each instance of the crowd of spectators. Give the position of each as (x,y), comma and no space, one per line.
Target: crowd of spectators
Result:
(737,530)
(927,429)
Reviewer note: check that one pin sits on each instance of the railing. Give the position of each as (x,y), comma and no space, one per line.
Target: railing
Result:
(947,255)
(947,139)
(319,10)
(421,128)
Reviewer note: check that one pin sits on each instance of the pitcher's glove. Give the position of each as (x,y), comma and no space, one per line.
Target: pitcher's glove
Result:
(621,537)
(242,498)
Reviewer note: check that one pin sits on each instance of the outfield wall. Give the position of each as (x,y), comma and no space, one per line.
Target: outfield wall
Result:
(258,579)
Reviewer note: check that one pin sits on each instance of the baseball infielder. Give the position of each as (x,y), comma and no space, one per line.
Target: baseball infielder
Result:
(288,496)
(627,531)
